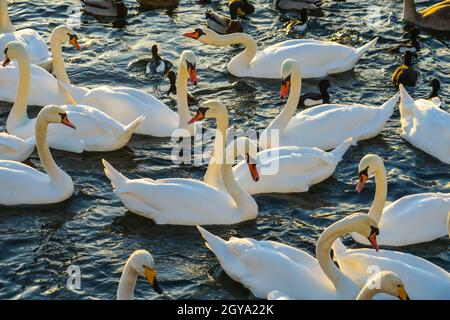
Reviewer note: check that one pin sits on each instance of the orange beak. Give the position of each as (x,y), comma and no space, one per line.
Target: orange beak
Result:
(75,43)
(361,183)
(199,116)
(192,35)
(285,89)
(253,171)
(193,75)
(67,122)
(6,62)
(373,241)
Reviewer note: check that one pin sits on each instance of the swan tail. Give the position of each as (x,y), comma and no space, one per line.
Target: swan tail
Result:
(389,105)
(406,102)
(341,149)
(339,249)
(129,129)
(213,242)
(117,179)
(362,50)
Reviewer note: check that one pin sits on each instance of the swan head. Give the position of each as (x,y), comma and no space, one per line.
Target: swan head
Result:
(65,34)
(367,167)
(141,261)
(211,109)
(54,114)
(288,67)
(189,61)
(203,35)
(247,149)
(388,282)
(363,224)
(13,50)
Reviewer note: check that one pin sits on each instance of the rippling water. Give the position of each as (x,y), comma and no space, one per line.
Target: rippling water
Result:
(95,232)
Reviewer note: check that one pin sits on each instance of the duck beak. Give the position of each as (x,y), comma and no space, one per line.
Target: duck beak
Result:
(67,122)
(373,241)
(193,75)
(198,116)
(402,294)
(285,89)
(193,35)
(361,183)
(6,62)
(254,171)
(150,275)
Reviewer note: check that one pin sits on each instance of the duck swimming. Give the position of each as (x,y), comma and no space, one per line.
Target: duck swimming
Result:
(312,99)
(240,8)
(436,17)
(221,24)
(412,45)
(434,95)
(159,3)
(105,8)
(297,24)
(288,5)
(157,65)
(405,74)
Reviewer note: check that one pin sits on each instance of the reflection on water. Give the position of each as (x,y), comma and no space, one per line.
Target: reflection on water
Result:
(95,232)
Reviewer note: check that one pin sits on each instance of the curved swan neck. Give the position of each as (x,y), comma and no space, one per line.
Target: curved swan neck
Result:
(376,210)
(18,115)
(282,120)
(6,25)
(367,293)
(182,100)
(127,283)
(58,60)
(47,161)
(340,281)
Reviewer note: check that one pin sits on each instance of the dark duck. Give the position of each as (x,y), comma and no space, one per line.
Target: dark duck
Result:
(157,65)
(434,95)
(412,44)
(312,99)
(405,74)
(222,24)
(295,24)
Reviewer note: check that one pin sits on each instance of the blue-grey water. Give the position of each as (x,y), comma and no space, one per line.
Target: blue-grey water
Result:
(93,230)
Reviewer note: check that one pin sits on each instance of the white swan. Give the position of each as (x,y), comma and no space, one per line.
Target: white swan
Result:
(411,219)
(15,149)
(96,130)
(33,42)
(290,169)
(274,270)
(423,279)
(324,126)
(44,88)
(316,58)
(26,185)
(189,201)
(140,263)
(425,126)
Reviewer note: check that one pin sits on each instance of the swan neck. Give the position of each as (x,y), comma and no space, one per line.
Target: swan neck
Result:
(376,210)
(18,115)
(127,283)
(6,25)
(409,10)
(367,293)
(182,100)
(47,161)
(241,61)
(58,60)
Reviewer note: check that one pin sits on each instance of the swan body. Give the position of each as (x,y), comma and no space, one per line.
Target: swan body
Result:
(96,130)
(185,201)
(36,46)
(295,169)
(423,279)
(140,263)
(27,185)
(436,17)
(409,220)
(324,126)
(274,270)
(425,126)
(15,149)
(316,58)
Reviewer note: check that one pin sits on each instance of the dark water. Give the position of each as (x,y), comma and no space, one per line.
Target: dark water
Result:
(95,232)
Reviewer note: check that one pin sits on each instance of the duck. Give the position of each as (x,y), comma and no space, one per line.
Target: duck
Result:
(172,92)
(140,263)
(26,185)
(14,148)
(297,24)
(316,58)
(422,217)
(177,201)
(36,46)
(405,74)
(425,125)
(312,99)
(435,17)
(290,169)
(157,65)
(222,24)
(324,126)
(289,5)
(275,270)
(159,3)
(96,130)
(105,8)
(412,45)
(240,8)
(434,95)
(424,280)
